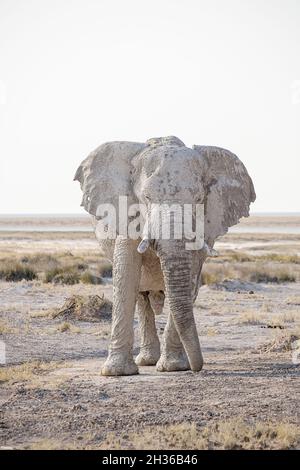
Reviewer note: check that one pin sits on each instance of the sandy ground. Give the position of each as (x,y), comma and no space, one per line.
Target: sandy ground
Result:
(64,401)
(73,401)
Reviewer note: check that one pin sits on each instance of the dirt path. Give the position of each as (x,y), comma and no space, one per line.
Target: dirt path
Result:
(80,407)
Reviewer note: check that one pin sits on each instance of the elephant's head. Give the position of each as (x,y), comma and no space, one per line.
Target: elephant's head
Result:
(165,171)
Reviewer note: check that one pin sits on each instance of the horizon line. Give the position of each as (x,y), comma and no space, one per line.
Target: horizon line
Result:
(85,214)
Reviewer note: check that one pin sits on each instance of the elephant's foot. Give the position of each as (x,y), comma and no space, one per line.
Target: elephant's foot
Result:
(148,356)
(173,361)
(118,364)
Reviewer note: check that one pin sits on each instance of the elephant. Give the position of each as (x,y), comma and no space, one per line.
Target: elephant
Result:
(160,171)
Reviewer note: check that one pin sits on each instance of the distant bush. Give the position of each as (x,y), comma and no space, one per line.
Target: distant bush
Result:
(209,278)
(69,278)
(105,270)
(62,276)
(282,258)
(82,266)
(17,272)
(278,277)
(89,278)
(51,273)
(40,261)
(241,257)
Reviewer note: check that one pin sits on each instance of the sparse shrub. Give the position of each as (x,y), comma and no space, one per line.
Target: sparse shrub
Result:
(25,371)
(63,327)
(241,257)
(50,275)
(282,340)
(295,259)
(278,277)
(4,328)
(17,272)
(89,278)
(250,318)
(105,270)
(231,434)
(209,278)
(294,300)
(211,331)
(66,326)
(62,276)
(40,262)
(86,308)
(69,278)
(82,266)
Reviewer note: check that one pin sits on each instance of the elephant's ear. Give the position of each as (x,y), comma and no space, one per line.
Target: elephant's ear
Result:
(106,174)
(229,190)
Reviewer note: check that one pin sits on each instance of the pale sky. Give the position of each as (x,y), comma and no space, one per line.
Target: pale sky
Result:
(77,73)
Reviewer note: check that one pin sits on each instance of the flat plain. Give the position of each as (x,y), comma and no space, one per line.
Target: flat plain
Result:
(248,318)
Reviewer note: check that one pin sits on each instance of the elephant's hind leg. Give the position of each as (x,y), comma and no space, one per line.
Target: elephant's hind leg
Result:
(150,347)
(173,356)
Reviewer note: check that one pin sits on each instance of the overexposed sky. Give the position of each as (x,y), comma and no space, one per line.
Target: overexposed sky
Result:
(77,73)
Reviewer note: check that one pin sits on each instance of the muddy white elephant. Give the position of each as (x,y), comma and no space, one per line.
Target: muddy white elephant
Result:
(160,171)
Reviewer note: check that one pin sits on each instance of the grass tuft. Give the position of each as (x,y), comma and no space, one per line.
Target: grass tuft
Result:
(13,272)
(89,278)
(26,371)
(62,276)
(105,270)
(232,434)
(266,277)
(4,328)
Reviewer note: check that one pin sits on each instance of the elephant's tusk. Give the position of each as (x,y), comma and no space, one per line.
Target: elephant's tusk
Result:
(210,251)
(143,246)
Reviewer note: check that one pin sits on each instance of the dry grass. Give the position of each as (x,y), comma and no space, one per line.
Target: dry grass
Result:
(105,269)
(40,313)
(266,307)
(216,272)
(277,276)
(237,256)
(66,275)
(286,317)
(85,308)
(89,278)
(59,267)
(13,272)
(232,434)
(280,258)
(250,318)
(102,331)
(66,326)
(293,300)
(89,267)
(5,328)
(211,331)
(52,444)
(26,371)
(264,317)
(282,340)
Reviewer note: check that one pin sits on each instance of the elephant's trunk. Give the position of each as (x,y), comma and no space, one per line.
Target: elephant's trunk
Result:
(176,267)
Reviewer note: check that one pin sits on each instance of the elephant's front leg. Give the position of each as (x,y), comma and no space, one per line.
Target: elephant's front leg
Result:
(173,356)
(150,347)
(126,276)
